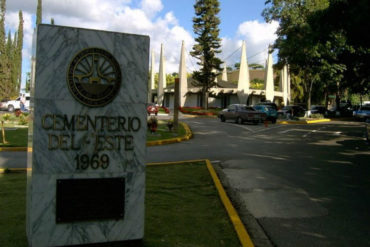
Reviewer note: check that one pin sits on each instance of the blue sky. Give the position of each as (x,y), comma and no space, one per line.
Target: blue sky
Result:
(165,21)
(232,13)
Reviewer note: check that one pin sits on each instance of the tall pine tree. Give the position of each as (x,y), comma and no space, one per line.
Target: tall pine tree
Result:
(10,56)
(19,48)
(39,12)
(208,44)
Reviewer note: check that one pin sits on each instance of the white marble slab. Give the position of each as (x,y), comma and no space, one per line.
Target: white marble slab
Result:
(51,160)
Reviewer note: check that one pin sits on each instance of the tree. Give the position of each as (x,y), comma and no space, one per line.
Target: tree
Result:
(346,37)
(28,82)
(237,66)
(295,40)
(255,66)
(10,56)
(18,49)
(208,44)
(331,58)
(4,61)
(39,12)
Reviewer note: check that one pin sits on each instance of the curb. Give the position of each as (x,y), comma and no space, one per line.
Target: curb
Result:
(188,135)
(303,121)
(13,149)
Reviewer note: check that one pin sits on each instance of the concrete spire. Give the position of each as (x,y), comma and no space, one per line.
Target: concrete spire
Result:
(183,76)
(162,77)
(224,73)
(152,74)
(269,78)
(243,82)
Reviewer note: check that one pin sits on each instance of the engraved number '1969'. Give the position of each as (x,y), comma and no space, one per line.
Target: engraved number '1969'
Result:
(95,161)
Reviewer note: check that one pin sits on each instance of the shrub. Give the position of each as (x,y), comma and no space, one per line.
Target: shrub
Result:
(317,115)
(23,120)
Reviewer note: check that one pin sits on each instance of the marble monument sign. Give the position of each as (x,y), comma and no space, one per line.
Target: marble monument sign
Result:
(87,137)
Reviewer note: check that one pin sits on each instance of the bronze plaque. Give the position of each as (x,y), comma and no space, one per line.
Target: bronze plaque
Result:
(90,199)
(94,77)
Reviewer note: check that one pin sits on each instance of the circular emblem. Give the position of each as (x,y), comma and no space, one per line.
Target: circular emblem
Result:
(94,77)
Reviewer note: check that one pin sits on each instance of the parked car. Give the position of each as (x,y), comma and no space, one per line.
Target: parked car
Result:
(13,105)
(318,109)
(346,110)
(271,113)
(241,113)
(152,109)
(273,105)
(362,113)
(292,110)
(3,104)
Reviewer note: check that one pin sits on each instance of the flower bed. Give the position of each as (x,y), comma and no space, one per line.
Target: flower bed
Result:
(212,111)
(163,109)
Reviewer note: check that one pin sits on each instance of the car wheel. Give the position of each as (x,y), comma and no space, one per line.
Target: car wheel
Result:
(11,108)
(239,120)
(222,118)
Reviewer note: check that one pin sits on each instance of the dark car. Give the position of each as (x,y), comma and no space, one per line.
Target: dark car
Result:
(241,113)
(270,111)
(318,109)
(362,113)
(291,111)
(152,109)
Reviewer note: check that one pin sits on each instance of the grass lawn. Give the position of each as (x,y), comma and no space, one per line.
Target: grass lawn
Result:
(17,137)
(163,133)
(182,209)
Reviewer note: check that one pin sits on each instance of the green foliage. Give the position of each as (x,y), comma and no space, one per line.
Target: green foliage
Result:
(255,66)
(6,117)
(317,115)
(330,58)
(10,56)
(39,12)
(23,119)
(237,66)
(28,82)
(208,44)
(257,84)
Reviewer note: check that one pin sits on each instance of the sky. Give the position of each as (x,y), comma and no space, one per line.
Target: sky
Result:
(165,21)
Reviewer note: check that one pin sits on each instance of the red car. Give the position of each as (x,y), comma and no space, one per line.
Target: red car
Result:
(152,109)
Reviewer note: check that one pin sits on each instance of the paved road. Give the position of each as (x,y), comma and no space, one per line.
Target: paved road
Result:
(293,185)
(306,185)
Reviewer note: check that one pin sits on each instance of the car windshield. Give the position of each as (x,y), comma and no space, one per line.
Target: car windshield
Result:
(365,108)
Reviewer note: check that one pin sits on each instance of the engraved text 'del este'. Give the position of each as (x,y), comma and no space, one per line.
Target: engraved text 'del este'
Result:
(94,77)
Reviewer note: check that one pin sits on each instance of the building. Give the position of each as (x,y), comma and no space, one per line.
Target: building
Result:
(232,88)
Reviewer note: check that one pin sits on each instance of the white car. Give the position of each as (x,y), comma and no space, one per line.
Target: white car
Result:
(16,104)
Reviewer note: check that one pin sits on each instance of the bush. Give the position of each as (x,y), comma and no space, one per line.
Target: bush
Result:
(317,115)
(23,120)
(6,117)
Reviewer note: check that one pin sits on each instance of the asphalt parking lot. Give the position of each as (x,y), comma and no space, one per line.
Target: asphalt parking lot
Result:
(293,185)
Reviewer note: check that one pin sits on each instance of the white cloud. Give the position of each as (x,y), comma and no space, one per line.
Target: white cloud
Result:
(112,15)
(151,7)
(141,17)
(258,36)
